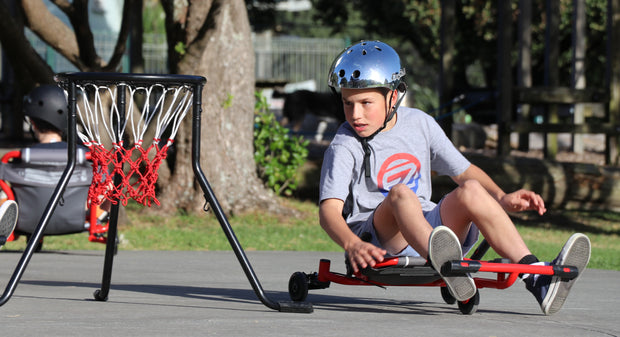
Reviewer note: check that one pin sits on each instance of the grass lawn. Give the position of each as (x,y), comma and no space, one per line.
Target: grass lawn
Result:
(261,231)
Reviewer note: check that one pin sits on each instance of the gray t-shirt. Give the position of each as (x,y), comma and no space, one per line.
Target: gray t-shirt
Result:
(407,154)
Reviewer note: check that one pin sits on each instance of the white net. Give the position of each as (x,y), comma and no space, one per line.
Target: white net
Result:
(110,116)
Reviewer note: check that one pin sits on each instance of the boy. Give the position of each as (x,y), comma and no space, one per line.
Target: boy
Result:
(376,181)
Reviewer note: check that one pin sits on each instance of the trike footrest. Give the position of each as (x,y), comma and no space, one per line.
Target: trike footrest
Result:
(458,268)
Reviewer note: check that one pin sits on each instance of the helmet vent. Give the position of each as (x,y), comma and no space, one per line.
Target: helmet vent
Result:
(364,52)
(59,111)
(356,74)
(341,73)
(377,48)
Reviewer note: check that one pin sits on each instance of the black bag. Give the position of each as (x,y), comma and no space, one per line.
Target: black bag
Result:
(34,179)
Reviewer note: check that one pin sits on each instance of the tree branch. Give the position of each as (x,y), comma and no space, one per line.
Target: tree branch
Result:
(51,29)
(64,6)
(23,57)
(78,16)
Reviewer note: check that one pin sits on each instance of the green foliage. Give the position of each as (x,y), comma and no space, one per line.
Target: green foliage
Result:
(153,18)
(278,155)
(424,98)
(180,48)
(228,102)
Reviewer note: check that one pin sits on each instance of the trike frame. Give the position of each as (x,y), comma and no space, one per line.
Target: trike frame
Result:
(416,271)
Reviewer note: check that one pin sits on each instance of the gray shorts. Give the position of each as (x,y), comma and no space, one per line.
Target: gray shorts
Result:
(433,217)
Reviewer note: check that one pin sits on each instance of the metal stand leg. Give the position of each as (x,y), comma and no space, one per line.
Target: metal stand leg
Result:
(304,307)
(110,251)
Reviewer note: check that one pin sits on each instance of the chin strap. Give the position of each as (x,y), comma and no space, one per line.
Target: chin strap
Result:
(366,148)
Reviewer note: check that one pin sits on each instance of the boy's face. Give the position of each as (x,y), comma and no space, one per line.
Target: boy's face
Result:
(366,110)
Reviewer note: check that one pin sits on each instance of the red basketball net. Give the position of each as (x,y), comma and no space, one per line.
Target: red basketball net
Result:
(138,175)
(136,165)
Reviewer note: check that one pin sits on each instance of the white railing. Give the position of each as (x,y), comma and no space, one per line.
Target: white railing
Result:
(278,59)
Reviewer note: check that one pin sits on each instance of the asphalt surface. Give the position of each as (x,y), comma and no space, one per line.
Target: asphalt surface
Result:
(172,293)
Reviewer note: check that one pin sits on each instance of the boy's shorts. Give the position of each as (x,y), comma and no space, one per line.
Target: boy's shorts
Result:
(433,217)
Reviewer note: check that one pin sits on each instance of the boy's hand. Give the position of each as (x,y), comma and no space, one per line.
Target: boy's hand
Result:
(363,254)
(523,200)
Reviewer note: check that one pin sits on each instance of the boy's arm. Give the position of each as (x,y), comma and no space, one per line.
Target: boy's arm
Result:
(520,200)
(361,254)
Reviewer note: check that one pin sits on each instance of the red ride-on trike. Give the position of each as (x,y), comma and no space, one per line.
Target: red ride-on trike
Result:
(29,177)
(415,271)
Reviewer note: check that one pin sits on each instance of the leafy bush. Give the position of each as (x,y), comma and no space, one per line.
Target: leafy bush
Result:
(278,155)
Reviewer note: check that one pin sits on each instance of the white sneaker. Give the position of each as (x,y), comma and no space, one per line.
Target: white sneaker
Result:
(8,219)
(551,291)
(444,246)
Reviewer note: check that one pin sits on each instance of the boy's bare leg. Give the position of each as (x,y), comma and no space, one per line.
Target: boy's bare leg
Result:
(399,222)
(471,203)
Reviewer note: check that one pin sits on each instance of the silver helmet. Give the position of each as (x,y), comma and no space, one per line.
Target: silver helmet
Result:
(367,64)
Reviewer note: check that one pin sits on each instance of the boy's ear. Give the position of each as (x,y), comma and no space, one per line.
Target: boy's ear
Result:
(394,95)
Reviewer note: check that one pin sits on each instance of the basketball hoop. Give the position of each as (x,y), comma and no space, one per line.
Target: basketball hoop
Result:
(156,102)
(128,122)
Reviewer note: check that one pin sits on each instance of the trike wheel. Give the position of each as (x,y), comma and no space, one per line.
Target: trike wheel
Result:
(471,305)
(298,286)
(447,297)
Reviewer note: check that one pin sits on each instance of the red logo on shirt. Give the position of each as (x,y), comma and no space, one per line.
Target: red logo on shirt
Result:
(401,168)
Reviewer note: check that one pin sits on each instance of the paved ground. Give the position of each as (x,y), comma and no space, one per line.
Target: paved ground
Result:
(206,293)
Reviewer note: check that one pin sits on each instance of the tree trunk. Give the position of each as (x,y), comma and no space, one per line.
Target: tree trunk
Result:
(218,46)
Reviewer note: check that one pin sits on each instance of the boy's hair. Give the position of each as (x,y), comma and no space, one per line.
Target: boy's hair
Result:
(44,126)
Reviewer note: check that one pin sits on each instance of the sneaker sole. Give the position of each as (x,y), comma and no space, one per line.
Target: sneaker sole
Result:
(445,246)
(576,252)
(8,219)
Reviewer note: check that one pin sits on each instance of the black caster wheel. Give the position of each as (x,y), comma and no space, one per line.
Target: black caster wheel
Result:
(447,297)
(298,286)
(98,296)
(471,305)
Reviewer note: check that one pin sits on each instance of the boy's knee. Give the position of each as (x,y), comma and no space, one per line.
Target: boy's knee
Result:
(471,189)
(401,191)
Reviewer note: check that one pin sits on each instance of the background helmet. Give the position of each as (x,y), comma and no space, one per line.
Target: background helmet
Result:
(48,103)
(367,64)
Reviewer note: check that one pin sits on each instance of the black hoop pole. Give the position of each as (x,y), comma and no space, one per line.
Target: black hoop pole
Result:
(226,227)
(51,205)
(111,243)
